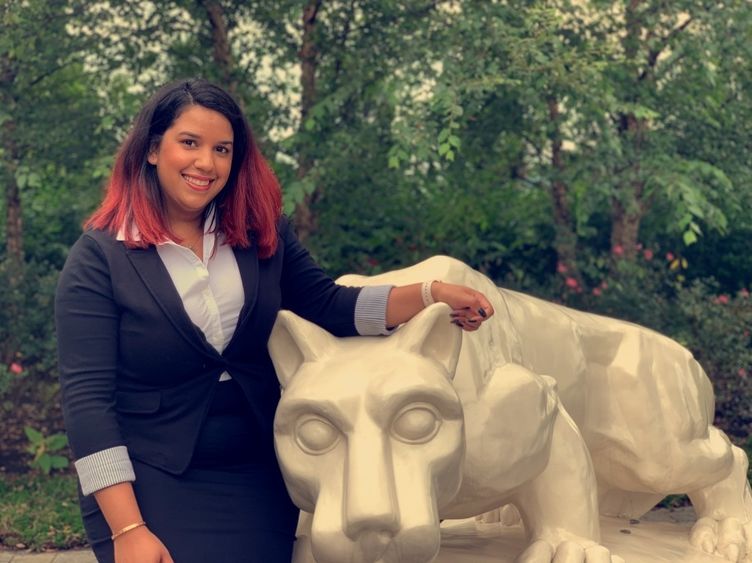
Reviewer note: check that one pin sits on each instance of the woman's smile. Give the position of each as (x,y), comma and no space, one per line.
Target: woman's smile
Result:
(200,183)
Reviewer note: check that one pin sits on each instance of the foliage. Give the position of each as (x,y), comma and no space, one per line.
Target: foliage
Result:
(34,330)
(43,449)
(40,512)
(717,326)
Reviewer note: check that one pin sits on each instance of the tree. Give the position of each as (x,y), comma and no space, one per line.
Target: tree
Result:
(43,98)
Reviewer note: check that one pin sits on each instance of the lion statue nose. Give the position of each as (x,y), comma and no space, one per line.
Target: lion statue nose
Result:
(372,544)
(371,524)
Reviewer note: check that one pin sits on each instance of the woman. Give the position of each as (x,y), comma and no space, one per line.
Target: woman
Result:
(163,312)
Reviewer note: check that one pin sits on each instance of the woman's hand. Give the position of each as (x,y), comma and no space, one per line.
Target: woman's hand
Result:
(140,546)
(470,308)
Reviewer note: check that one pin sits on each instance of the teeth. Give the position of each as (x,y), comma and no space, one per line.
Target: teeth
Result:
(196,181)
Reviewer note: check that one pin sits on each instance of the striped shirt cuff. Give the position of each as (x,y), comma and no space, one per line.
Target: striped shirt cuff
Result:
(370,310)
(104,468)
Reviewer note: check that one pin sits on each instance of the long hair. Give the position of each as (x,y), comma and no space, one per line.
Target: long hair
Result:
(251,201)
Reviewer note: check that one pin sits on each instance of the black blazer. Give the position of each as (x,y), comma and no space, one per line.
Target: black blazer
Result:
(136,371)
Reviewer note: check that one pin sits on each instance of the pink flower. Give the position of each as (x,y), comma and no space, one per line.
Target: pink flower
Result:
(648,254)
(561,267)
(742,373)
(669,257)
(743,292)
(597,291)
(721,299)
(571,282)
(16,368)
(618,250)
(604,284)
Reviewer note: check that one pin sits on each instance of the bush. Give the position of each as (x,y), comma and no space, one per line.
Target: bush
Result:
(716,327)
(27,328)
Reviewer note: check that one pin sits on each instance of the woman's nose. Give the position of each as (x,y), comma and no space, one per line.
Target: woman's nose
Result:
(204,160)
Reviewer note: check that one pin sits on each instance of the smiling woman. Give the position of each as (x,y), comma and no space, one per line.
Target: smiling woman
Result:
(163,311)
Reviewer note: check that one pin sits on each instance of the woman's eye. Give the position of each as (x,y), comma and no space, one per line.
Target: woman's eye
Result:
(189,143)
(316,435)
(223,150)
(416,424)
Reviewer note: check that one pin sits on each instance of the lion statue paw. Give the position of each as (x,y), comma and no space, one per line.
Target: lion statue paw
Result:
(727,537)
(568,551)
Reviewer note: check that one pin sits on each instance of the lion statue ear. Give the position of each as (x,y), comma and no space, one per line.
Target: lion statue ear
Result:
(294,341)
(431,334)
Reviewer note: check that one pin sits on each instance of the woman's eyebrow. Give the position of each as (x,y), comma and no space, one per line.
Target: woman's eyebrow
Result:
(195,136)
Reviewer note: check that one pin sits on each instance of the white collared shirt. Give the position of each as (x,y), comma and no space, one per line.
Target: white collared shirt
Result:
(211,289)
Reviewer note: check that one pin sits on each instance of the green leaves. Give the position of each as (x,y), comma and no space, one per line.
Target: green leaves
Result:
(43,449)
(295,191)
(26,178)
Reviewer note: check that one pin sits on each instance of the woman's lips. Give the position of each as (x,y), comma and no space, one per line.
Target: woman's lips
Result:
(197,182)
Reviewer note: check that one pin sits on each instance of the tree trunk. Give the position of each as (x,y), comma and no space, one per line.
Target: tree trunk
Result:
(13,222)
(221,52)
(305,217)
(14,252)
(625,231)
(565,242)
(628,205)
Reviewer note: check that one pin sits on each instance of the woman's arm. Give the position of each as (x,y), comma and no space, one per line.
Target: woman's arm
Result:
(87,320)
(137,544)
(469,307)
(310,293)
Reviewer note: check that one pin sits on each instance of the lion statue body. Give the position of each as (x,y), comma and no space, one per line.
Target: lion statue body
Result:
(561,413)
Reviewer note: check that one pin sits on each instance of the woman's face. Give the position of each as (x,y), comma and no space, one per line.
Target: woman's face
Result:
(193,160)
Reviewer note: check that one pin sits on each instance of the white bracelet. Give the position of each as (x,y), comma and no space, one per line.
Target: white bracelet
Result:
(425,293)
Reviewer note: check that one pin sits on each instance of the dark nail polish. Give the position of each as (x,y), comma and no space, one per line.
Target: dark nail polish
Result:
(482,312)
(456,322)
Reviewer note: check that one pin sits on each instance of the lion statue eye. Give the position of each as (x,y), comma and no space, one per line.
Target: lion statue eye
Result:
(416,424)
(316,435)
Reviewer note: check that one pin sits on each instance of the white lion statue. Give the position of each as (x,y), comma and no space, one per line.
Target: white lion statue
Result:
(561,413)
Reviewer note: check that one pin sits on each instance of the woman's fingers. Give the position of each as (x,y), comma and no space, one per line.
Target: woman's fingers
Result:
(470,308)
(466,324)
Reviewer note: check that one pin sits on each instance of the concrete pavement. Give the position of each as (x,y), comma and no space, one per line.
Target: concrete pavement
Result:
(72,556)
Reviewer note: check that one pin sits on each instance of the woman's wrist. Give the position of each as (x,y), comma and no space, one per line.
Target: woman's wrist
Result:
(125,529)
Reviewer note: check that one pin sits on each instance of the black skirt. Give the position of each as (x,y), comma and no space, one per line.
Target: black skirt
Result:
(230,506)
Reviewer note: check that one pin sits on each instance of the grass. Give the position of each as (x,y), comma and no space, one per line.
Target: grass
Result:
(40,512)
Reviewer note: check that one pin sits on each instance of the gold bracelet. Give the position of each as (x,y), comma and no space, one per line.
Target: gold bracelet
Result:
(127,529)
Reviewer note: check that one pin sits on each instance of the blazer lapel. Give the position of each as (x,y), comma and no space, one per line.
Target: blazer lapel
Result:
(155,277)
(247,259)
